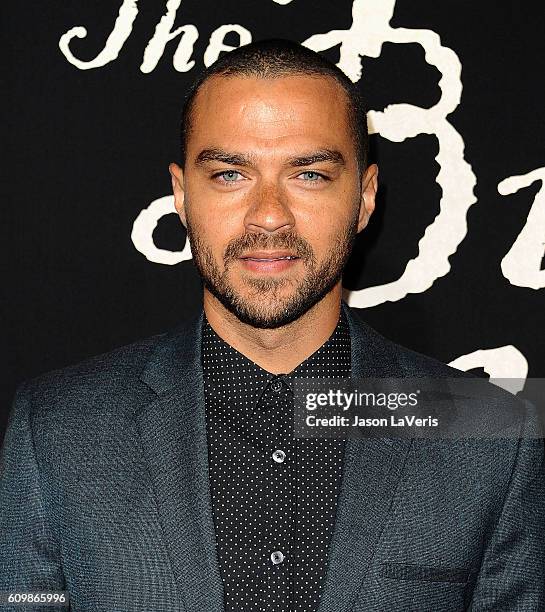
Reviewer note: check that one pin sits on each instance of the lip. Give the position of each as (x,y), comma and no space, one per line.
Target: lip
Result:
(271,262)
(268,255)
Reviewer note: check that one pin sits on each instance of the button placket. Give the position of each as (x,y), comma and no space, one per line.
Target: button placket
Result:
(282,492)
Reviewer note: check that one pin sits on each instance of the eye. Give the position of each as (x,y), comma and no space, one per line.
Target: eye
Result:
(227,176)
(312,176)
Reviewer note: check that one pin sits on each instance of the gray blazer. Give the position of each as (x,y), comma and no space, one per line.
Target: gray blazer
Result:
(104,493)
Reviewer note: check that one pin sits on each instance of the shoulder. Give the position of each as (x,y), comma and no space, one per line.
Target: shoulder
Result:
(93,380)
(418,364)
(396,359)
(117,381)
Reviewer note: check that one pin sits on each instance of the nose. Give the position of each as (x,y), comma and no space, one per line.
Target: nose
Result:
(269,211)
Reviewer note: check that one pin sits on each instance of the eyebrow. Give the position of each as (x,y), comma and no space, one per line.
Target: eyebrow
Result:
(242,159)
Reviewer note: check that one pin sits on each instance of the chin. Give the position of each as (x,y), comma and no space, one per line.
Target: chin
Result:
(268,314)
(272,320)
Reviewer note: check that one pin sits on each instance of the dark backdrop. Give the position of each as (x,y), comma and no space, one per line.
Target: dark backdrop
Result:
(87,150)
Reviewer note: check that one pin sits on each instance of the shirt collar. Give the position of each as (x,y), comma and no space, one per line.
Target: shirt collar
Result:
(228,373)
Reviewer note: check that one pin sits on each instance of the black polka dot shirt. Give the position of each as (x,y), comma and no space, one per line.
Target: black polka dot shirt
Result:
(273,496)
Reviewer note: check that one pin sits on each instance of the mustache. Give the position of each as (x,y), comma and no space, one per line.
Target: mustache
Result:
(287,240)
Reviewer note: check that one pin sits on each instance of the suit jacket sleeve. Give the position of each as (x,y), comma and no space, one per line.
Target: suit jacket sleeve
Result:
(512,574)
(29,555)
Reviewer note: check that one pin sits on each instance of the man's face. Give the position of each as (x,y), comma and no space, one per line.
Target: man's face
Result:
(271,195)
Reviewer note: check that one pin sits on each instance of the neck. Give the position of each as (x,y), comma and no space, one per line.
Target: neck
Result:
(282,349)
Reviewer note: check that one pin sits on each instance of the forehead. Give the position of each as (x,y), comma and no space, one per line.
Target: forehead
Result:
(270,113)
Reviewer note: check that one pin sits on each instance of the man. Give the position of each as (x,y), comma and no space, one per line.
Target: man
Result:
(164,475)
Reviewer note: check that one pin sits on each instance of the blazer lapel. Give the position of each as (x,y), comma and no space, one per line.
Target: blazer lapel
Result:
(173,434)
(372,469)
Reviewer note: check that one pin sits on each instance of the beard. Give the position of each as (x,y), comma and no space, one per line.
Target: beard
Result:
(264,306)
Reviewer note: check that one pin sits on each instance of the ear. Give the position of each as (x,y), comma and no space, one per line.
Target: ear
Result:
(177,175)
(369,186)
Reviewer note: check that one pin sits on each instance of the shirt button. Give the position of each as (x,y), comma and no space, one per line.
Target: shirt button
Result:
(277,557)
(279,456)
(276,385)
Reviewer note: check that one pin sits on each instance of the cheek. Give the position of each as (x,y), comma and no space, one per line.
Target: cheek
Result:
(214,226)
(321,229)
(212,235)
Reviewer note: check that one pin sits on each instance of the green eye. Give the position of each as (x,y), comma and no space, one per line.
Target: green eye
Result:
(311,175)
(230,176)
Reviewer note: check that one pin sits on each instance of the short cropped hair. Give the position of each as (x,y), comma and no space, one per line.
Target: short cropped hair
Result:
(274,58)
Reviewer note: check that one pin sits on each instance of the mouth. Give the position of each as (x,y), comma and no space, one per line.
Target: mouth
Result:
(268,262)
(269,256)
(288,257)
